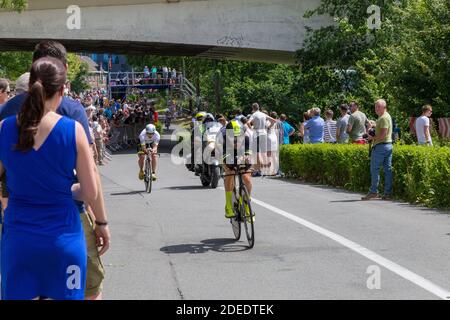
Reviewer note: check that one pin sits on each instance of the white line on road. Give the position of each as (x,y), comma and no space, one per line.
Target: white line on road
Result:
(392,266)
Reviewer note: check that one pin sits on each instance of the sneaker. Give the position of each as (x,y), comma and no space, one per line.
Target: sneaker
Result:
(141,175)
(154,177)
(370,196)
(387,197)
(229,213)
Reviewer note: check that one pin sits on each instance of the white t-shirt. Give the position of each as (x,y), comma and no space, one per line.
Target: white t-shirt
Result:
(97,129)
(421,123)
(259,123)
(144,139)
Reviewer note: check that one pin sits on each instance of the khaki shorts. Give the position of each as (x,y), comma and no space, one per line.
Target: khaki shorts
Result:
(95,269)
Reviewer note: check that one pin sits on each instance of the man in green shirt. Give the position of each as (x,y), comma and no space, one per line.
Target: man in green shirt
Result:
(357,124)
(381,153)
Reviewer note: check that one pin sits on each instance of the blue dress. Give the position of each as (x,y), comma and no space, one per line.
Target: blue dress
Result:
(43,249)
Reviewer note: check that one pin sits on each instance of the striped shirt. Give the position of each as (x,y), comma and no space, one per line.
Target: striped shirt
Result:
(329,131)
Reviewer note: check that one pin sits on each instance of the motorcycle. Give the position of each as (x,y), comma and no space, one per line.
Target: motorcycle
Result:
(210,169)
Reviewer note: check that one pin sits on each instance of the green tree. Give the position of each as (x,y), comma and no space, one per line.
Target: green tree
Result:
(13,64)
(406,61)
(77,73)
(18,5)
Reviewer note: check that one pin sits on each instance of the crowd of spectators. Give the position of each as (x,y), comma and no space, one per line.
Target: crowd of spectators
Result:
(116,123)
(351,126)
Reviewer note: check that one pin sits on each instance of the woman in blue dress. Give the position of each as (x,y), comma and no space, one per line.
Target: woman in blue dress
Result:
(43,246)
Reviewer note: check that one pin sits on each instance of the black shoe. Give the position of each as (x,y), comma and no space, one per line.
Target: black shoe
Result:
(371,196)
(387,197)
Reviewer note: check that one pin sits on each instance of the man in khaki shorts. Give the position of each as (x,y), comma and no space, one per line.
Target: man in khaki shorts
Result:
(95,270)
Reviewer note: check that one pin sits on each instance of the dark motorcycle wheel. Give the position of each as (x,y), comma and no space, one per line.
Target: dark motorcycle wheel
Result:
(215,177)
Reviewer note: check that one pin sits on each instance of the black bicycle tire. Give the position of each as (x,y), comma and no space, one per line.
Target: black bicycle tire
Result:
(148,175)
(248,225)
(236,222)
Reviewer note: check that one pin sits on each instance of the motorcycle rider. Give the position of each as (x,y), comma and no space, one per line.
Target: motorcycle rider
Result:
(196,124)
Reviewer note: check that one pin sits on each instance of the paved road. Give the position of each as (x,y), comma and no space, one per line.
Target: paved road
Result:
(311,242)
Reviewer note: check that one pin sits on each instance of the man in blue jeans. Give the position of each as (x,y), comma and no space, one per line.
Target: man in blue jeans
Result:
(381,153)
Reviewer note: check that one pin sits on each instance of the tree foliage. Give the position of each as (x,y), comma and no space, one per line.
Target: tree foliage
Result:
(18,5)
(406,61)
(13,64)
(77,73)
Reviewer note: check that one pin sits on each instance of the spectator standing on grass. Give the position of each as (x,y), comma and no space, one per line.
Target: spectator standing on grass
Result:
(288,130)
(381,154)
(258,121)
(315,126)
(303,132)
(341,126)
(278,127)
(357,124)
(423,127)
(329,128)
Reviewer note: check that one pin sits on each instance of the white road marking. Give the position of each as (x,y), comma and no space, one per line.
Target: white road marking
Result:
(392,266)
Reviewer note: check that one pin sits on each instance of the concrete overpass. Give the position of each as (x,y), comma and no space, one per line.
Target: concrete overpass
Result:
(254,30)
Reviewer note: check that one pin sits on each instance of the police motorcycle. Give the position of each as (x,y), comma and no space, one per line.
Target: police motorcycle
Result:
(206,165)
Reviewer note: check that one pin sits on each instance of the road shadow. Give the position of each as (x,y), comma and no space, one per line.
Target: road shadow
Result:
(344,201)
(199,187)
(130,193)
(217,245)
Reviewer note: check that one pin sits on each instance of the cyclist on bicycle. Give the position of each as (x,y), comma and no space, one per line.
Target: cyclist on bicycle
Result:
(149,141)
(234,139)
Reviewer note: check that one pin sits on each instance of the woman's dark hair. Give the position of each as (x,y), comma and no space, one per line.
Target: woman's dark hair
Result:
(47,77)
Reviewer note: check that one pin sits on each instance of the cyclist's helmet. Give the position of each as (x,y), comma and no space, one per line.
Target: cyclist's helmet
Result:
(150,129)
(208,118)
(200,116)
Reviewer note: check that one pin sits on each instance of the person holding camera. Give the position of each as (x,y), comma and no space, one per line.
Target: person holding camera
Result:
(381,152)
(357,124)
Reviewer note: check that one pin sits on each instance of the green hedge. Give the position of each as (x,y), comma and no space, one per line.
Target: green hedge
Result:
(421,174)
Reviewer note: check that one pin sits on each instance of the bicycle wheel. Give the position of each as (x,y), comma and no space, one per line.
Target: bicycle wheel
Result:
(148,175)
(236,221)
(247,215)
